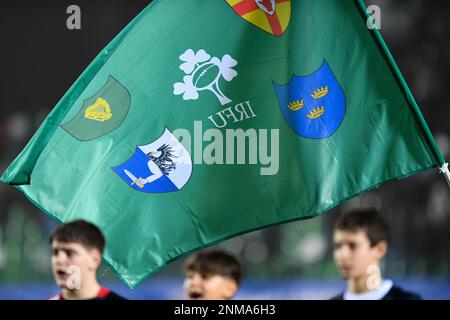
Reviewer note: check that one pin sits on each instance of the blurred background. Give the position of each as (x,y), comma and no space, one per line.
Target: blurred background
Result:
(41,58)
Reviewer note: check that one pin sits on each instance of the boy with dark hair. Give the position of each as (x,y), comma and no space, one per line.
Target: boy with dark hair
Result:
(77,249)
(360,240)
(212,275)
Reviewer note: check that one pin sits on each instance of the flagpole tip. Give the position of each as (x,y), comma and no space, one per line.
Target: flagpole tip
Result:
(446,172)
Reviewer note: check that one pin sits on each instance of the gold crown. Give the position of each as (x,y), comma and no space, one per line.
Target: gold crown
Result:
(99,111)
(319,93)
(296,105)
(315,113)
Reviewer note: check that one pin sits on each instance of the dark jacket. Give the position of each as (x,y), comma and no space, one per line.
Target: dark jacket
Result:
(104,294)
(396,293)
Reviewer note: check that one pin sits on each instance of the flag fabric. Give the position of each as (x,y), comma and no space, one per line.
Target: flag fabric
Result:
(203,120)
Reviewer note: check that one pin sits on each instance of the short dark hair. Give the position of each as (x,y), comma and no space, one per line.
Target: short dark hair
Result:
(367,219)
(80,231)
(215,262)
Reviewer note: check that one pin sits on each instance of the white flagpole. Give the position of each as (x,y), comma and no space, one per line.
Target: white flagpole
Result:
(446,172)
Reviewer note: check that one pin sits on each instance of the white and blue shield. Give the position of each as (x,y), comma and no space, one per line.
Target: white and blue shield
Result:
(161,166)
(313,105)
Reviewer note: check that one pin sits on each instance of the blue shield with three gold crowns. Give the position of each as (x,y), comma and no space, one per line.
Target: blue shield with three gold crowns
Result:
(312,105)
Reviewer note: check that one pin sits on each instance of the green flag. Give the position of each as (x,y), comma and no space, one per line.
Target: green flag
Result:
(203,120)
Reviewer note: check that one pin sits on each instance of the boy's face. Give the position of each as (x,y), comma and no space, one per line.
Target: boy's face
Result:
(209,287)
(72,263)
(354,255)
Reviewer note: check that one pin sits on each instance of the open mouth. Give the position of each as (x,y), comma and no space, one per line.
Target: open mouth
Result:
(61,274)
(195,295)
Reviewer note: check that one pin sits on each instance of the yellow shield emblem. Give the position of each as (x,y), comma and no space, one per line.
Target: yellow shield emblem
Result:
(272,16)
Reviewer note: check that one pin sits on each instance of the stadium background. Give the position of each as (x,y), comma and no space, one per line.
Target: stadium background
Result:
(41,58)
